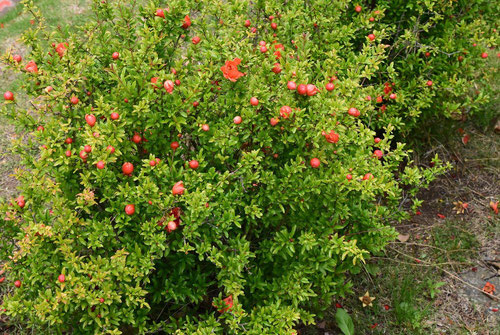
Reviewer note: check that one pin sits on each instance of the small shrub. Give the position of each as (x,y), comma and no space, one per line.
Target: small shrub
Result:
(182,176)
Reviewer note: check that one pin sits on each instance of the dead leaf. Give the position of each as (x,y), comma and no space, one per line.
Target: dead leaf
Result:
(497,126)
(460,207)
(494,206)
(403,238)
(465,139)
(366,299)
(322,325)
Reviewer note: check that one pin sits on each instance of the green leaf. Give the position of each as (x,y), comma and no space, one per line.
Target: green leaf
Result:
(344,321)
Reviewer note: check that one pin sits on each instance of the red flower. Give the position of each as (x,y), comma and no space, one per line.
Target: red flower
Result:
(285,111)
(229,303)
(187,22)
(31,67)
(230,70)
(61,49)
(387,88)
(332,137)
(489,288)
(178,188)
(176,213)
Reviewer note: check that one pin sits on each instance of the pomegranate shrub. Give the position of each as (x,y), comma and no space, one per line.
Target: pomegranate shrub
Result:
(214,166)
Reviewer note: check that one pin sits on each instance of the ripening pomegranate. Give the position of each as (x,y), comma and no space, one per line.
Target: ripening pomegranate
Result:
(130,209)
(193,164)
(160,13)
(353,112)
(315,163)
(127,168)
(8,96)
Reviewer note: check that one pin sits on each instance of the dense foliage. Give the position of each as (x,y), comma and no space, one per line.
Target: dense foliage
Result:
(222,166)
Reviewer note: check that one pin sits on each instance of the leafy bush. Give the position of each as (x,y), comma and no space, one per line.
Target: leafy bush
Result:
(181,175)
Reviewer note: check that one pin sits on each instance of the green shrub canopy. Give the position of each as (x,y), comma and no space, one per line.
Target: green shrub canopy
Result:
(223,166)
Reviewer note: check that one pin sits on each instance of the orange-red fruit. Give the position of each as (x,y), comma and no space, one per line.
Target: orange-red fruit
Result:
(237,119)
(83,155)
(330,87)
(115,55)
(367,176)
(371,37)
(254,101)
(193,164)
(393,96)
(353,112)
(74,100)
(378,153)
(17,283)
(90,119)
(247,23)
(61,278)
(111,149)
(349,177)
(178,188)
(358,9)
(376,140)
(115,116)
(136,138)
(87,148)
(174,145)
(429,83)
(169,86)
(274,26)
(17,58)
(68,153)
(100,165)
(171,226)
(302,89)
(311,89)
(152,163)
(291,85)
(315,163)
(127,168)
(263,49)
(484,55)
(274,121)
(130,209)
(8,96)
